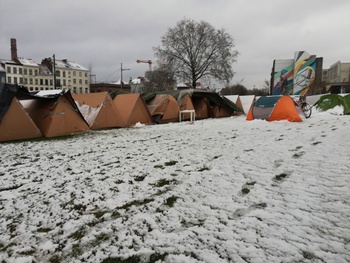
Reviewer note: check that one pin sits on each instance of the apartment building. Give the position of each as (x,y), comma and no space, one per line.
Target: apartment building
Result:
(35,77)
(337,77)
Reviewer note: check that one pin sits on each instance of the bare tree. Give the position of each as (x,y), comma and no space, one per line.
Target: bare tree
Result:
(193,50)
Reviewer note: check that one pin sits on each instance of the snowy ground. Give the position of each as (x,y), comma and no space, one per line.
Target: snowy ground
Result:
(218,190)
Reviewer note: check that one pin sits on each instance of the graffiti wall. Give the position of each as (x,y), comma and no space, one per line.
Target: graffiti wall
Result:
(294,76)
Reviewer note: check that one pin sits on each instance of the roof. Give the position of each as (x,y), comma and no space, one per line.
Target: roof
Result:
(27,62)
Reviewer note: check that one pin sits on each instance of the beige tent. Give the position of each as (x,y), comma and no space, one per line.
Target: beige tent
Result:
(56,116)
(99,110)
(217,111)
(16,124)
(201,106)
(236,99)
(163,108)
(132,109)
(185,103)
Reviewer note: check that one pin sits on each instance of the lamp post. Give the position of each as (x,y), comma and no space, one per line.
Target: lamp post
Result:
(121,75)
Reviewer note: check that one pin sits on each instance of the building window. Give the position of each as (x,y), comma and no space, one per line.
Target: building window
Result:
(80,90)
(20,80)
(41,82)
(85,74)
(74,90)
(86,90)
(58,74)
(8,70)
(64,83)
(30,71)
(36,81)
(9,80)
(20,70)
(46,82)
(30,81)
(15,80)
(25,80)
(80,74)
(64,74)
(51,82)
(25,71)
(74,73)
(86,82)
(74,81)
(14,70)
(80,81)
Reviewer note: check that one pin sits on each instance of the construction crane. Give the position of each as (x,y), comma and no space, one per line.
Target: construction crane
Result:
(146,61)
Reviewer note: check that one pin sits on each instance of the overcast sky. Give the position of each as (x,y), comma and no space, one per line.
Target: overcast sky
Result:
(102,34)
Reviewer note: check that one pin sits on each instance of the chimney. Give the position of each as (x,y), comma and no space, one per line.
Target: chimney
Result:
(14,56)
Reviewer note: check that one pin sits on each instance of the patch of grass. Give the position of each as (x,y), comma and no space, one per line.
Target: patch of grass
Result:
(203,169)
(76,250)
(13,187)
(281,176)
(157,258)
(298,155)
(44,229)
(171,201)
(100,238)
(140,178)
(308,255)
(99,213)
(136,203)
(245,190)
(163,182)
(27,252)
(170,163)
(132,259)
(78,234)
(55,259)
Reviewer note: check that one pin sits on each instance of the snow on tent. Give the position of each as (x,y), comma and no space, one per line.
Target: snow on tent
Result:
(163,108)
(132,109)
(275,108)
(56,114)
(330,101)
(99,110)
(236,99)
(15,122)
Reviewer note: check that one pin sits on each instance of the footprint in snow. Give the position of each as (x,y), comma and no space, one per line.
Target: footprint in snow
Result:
(240,212)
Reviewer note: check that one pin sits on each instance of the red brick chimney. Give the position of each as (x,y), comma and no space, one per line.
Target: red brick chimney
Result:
(14,56)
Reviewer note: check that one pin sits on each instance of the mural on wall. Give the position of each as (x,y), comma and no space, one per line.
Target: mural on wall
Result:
(304,72)
(294,76)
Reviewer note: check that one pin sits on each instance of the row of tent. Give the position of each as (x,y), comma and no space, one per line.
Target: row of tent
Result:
(25,116)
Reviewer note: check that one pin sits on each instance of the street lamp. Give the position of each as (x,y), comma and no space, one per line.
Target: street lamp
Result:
(121,75)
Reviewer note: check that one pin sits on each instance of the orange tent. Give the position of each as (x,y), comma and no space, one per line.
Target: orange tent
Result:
(56,116)
(275,108)
(163,108)
(16,124)
(132,109)
(99,110)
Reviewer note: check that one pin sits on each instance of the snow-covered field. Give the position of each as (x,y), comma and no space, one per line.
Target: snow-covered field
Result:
(218,190)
